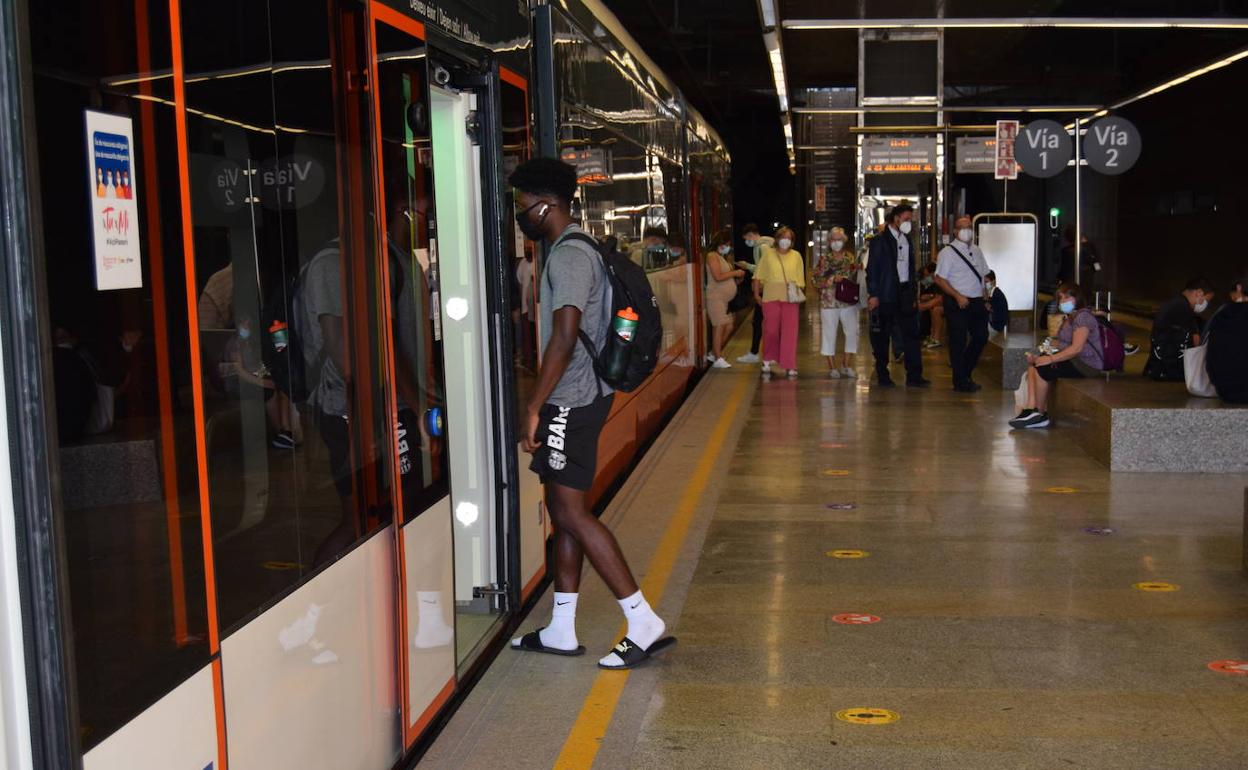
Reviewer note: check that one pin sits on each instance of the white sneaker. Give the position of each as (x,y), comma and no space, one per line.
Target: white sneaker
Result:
(766,367)
(748,358)
(792,374)
(848,373)
(721,364)
(834,374)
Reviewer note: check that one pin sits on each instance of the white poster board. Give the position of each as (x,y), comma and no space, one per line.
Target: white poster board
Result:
(1010,249)
(112,187)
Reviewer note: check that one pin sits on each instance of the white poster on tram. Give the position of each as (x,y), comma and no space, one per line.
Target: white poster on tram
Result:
(114,201)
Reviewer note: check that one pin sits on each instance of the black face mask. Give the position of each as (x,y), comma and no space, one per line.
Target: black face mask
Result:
(531,230)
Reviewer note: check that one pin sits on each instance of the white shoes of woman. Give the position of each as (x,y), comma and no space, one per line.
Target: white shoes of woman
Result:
(720,363)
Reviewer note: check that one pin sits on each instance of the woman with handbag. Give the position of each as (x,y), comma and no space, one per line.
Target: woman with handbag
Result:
(836,277)
(780,286)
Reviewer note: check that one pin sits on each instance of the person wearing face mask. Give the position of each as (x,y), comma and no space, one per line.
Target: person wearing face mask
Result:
(1226,361)
(759,246)
(836,277)
(998,305)
(960,272)
(565,415)
(779,286)
(721,286)
(651,251)
(1079,355)
(931,310)
(892,296)
(1176,327)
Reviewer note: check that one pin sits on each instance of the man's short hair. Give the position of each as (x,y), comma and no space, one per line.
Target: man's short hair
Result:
(898,210)
(750,227)
(1240,283)
(655,232)
(991,274)
(1199,284)
(545,176)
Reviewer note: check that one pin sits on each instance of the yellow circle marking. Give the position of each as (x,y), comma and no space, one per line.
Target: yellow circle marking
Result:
(1155,586)
(848,553)
(1061,490)
(835,472)
(868,716)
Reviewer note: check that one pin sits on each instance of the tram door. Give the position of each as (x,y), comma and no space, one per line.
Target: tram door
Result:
(450,541)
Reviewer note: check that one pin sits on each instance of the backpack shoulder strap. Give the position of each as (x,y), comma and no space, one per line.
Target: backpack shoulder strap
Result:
(958,251)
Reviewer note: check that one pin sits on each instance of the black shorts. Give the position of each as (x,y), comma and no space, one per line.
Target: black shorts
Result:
(1070,369)
(568,454)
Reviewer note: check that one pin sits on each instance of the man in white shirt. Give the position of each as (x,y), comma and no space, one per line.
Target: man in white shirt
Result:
(960,271)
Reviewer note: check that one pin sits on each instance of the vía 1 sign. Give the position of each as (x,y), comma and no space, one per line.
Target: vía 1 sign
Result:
(112,186)
(1043,149)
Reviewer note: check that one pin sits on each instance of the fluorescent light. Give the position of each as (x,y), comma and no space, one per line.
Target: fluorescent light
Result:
(767,9)
(1050,22)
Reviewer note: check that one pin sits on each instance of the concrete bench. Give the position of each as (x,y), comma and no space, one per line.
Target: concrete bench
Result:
(1133,424)
(1005,357)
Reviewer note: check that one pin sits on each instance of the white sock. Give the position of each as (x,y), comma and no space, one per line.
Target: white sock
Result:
(560,634)
(644,626)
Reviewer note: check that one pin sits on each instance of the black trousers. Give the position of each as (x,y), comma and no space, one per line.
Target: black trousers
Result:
(968,333)
(885,318)
(758,329)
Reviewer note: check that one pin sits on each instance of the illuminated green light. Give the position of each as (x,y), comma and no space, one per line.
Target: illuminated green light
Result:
(1055,212)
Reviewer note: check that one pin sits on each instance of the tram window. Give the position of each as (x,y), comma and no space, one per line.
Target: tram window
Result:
(411,240)
(128,501)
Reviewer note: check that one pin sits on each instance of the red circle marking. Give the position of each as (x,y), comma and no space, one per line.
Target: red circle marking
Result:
(1233,667)
(855,619)
(1032,459)
(831,446)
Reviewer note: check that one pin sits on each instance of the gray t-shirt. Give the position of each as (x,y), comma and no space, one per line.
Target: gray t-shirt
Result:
(320,294)
(574,277)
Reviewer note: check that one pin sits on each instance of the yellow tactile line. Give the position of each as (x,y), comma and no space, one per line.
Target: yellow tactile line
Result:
(591,724)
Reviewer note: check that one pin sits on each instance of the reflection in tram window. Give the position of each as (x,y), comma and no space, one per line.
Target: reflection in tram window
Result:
(412,243)
(128,498)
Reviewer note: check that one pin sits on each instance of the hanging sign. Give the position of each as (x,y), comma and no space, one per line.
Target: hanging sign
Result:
(112,188)
(898,155)
(1007,134)
(1043,148)
(592,165)
(976,154)
(1112,145)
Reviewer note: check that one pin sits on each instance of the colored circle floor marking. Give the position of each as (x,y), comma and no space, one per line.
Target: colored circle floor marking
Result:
(1061,490)
(848,553)
(1099,530)
(1233,667)
(835,472)
(279,566)
(1155,586)
(841,506)
(855,619)
(1032,459)
(830,445)
(868,716)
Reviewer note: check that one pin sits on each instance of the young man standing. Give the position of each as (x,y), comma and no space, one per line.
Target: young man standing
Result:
(565,414)
(757,244)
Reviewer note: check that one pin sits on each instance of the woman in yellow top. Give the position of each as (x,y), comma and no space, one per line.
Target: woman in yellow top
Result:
(780,286)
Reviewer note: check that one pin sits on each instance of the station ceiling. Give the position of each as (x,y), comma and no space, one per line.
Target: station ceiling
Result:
(714,51)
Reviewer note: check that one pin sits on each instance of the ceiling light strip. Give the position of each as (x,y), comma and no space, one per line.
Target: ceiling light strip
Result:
(1049,22)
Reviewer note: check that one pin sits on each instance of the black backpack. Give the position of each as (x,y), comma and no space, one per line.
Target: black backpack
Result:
(629,288)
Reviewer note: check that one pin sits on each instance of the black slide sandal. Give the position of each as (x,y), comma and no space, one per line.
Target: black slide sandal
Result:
(531,642)
(633,656)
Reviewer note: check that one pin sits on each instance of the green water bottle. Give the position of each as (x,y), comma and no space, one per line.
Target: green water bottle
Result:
(620,343)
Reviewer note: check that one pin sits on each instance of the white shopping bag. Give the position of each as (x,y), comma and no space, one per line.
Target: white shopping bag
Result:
(1020,395)
(1194,373)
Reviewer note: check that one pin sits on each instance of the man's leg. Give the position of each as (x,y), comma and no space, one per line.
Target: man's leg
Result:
(957,341)
(910,337)
(589,537)
(881,333)
(977,319)
(757,341)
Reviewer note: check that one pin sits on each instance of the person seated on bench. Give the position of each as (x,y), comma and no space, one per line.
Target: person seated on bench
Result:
(1226,360)
(1177,326)
(1078,355)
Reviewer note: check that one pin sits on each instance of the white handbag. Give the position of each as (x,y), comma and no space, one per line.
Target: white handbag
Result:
(1194,373)
(793,293)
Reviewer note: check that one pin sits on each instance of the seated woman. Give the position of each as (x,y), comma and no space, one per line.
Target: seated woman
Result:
(932,307)
(1079,355)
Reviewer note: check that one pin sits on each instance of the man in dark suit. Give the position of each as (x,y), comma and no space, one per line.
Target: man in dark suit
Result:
(892,296)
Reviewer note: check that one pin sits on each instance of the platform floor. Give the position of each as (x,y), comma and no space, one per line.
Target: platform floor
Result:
(1009,636)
